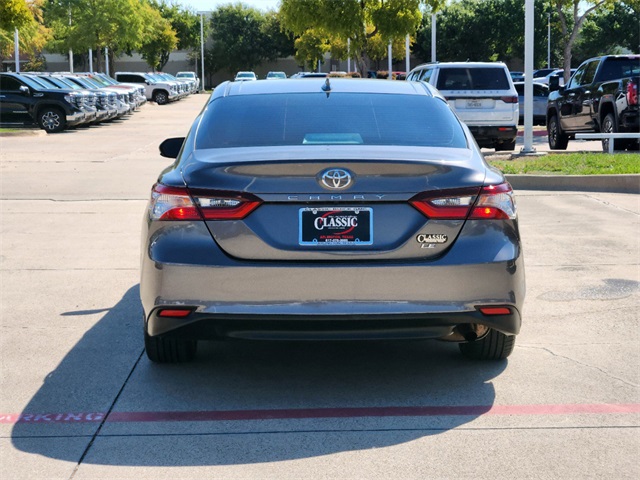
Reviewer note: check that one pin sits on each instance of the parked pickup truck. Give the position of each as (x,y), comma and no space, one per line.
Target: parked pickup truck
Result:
(24,101)
(601,97)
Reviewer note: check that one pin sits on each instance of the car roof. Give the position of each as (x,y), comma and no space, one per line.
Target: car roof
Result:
(464,64)
(342,85)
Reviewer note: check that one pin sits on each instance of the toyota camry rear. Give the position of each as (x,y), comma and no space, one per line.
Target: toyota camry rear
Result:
(330,210)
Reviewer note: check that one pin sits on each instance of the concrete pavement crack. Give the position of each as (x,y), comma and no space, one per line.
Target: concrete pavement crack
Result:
(113,404)
(545,349)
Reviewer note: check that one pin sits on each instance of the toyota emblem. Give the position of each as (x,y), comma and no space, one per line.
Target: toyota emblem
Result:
(336,179)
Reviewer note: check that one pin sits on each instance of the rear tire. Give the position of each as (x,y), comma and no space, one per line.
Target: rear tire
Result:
(494,346)
(169,350)
(609,126)
(52,119)
(558,140)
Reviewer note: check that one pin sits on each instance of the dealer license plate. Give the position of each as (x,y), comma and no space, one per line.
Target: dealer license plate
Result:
(336,226)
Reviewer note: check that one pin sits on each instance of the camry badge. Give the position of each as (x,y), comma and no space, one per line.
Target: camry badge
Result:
(336,179)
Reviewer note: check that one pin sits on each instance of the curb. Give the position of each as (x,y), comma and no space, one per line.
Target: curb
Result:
(578,183)
(24,133)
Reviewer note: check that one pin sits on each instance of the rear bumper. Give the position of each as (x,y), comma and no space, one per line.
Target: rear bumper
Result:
(207,325)
(488,136)
(419,299)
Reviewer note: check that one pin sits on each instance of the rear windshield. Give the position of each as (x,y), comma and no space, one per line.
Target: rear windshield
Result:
(620,67)
(465,78)
(335,119)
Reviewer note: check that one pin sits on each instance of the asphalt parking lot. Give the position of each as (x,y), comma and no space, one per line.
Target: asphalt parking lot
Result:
(79,400)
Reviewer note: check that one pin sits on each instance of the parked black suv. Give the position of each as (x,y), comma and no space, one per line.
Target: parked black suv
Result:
(25,102)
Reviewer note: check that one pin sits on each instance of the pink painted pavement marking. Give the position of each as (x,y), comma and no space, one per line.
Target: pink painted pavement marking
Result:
(308,413)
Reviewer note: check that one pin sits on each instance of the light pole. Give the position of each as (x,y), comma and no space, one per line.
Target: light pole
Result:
(528,78)
(202,48)
(433,37)
(16,43)
(70,50)
(407,54)
(548,40)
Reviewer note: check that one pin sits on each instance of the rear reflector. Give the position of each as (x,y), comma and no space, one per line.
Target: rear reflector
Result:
(178,203)
(495,311)
(174,313)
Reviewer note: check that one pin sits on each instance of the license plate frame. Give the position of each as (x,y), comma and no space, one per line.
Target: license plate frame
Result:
(474,104)
(337,229)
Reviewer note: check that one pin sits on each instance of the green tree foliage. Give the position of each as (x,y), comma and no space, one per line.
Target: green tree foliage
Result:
(610,31)
(335,21)
(572,15)
(160,41)
(26,16)
(14,14)
(498,23)
(180,29)
(310,49)
(120,25)
(244,37)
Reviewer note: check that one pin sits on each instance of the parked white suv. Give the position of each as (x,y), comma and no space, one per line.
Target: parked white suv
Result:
(483,96)
(160,92)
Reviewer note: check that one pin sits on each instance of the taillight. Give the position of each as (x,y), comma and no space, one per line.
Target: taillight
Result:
(632,93)
(492,202)
(446,204)
(495,202)
(509,99)
(177,203)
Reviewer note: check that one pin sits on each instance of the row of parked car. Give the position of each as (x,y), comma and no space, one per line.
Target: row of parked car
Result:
(57,101)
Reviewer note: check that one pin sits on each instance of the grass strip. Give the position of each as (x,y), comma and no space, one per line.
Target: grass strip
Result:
(594,163)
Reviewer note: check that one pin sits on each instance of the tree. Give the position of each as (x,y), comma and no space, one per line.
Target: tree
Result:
(498,23)
(571,31)
(26,16)
(359,21)
(310,49)
(96,24)
(610,31)
(236,37)
(244,37)
(184,29)
(160,41)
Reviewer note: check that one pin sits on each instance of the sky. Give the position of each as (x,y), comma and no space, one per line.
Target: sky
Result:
(204,5)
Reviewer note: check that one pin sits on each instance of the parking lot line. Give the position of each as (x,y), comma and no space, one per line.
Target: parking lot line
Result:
(306,413)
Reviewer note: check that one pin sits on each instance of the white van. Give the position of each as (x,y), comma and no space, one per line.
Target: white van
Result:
(483,96)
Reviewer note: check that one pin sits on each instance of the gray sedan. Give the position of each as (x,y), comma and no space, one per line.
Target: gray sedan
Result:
(330,209)
(540,95)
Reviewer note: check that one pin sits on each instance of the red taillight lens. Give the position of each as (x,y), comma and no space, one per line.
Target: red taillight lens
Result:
(178,203)
(172,203)
(509,99)
(632,93)
(491,202)
(495,202)
(445,204)
(175,312)
(495,310)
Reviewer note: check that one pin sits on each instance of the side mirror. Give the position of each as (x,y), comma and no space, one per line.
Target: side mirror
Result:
(554,83)
(171,147)
(24,90)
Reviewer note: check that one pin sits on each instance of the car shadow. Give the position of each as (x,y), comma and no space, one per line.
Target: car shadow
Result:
(244,402)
